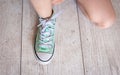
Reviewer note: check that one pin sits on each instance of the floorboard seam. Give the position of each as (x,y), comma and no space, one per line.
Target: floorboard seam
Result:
(21,40)
(80,37)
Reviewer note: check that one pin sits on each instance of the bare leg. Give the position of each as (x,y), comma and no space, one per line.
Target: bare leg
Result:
(44,7)
(100,12)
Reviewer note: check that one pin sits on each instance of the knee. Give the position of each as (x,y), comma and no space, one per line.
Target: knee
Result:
(103,22)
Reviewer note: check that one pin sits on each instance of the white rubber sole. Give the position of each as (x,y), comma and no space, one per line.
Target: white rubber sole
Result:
(42,62)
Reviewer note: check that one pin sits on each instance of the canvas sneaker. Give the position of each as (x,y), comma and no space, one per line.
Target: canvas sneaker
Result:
(45,39)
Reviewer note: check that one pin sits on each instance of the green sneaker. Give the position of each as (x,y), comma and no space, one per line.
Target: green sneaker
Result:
(45,40)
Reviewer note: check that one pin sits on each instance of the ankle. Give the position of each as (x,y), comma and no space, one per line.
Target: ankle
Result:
(48,16)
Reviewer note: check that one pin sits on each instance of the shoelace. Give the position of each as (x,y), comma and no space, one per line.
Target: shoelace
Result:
(47,32)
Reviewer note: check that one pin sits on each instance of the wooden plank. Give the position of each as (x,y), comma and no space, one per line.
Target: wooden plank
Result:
(68,57)
(101,48)
(10,36)
(30,20)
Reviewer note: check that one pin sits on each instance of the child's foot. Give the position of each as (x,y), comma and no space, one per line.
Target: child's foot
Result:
(45,40)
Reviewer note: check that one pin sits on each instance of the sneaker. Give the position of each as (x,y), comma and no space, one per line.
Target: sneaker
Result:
(45,40)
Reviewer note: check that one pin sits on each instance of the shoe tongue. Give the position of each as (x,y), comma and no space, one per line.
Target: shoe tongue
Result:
(45,49)
(46,34)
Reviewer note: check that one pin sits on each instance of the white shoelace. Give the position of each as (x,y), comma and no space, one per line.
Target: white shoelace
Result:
(47,32)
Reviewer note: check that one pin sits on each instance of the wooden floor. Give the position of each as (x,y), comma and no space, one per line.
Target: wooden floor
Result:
(81,47)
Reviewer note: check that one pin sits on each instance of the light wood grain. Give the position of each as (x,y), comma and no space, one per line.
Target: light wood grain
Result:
(68,56)
(81,48)
(10,36)
(101,48)
(29,64)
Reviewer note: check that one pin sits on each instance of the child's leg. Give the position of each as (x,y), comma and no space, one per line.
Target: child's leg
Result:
(100,12)
(44,7)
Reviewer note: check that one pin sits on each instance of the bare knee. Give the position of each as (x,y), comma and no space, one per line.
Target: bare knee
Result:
(103,22)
